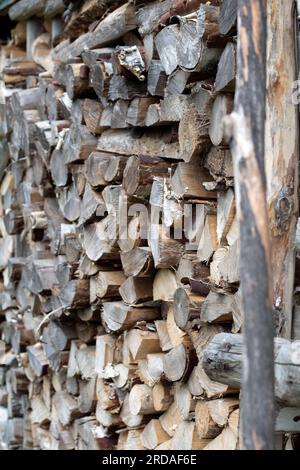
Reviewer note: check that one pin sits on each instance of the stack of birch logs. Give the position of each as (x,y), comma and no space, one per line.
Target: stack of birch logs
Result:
(119,244)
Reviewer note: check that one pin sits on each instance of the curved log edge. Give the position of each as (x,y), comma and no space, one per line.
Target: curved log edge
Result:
(222,361)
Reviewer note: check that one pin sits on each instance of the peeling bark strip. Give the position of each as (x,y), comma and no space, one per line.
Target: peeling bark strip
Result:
(247,123)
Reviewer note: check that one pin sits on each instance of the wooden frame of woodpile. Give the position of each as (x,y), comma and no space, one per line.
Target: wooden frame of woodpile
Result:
(119,234)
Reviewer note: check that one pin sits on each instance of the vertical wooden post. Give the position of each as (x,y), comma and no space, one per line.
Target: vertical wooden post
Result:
(248,149)
(282,156)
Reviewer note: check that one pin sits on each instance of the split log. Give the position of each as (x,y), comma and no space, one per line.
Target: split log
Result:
(99,77)
(153,434)
(66,407)
(191,268)
(187,438)
(137,111)
(100,239)
(119,115)
(166,251)
(219,163)
(14,222)
(217,308)
(108,284)
(111,28)
(187,307)
(92,114)
(208,240)
(206,427)
(140,400)
(81,18)
(75,294)
(136,290)
(92,205)
(95,168)
(171,418)
(117,316)
(165,42)
(223,105)
(140,343)
(123,88)
(225,214)
(78,144)
(225,78)
(157,13)
(137,262)
(156,79)
(139,173)
(224,268)
(164,285)
(221,409)
(188,178)
(196,30)
(163,335)
(228,17)
(127,142)
(193,134)
(105,352)
(37,359)
(162,396)
(179,362)
(228,439)
(177,82)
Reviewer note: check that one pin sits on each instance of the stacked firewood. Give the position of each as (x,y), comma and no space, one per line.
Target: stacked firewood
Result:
(119,244)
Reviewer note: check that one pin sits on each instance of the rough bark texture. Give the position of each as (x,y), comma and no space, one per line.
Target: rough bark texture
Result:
(119,238)
(249,151)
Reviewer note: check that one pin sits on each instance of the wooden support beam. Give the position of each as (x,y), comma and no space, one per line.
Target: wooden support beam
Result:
(248,131)
(282,156)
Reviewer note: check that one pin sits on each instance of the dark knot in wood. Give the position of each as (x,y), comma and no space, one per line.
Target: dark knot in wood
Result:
(283,209)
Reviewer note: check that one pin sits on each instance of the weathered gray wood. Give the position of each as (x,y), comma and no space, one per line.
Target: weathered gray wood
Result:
(53,8)
(287,420)
(248,149)
(128,142)
(165,43)
(228,17)
(114,26)
(26,8)
(153,14)
(223,362)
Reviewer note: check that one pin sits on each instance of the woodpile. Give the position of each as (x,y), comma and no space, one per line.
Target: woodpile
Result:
(119,244)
